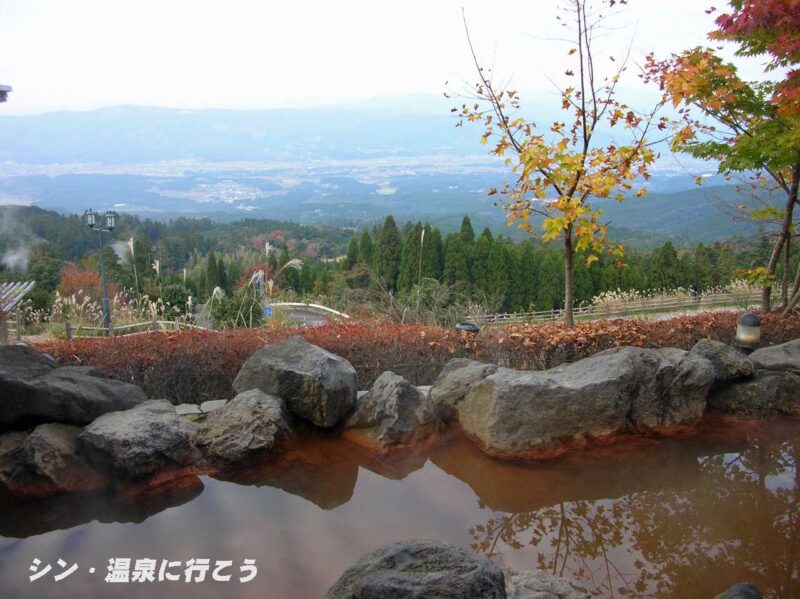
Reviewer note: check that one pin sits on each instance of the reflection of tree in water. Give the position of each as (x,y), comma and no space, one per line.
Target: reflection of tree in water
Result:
(741,523)
(573,540)
(735,518)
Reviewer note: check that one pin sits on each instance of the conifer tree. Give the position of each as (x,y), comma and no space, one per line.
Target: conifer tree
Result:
(366,249)
(352,254)
(222,276)
(212,273)
(551,281)
(388,253)
(410,258)
(456,266)
(432,254)
(467,233)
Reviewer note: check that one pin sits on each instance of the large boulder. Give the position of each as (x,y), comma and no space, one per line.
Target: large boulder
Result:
(541,585)
(140,442)
(420,569)
(673,391)
(251,423)
(768,393)
(517,414)
(729,363)
(44,462)
(454,382)
(744,590)
(33,389)
(784,357)
(393,413)
(317,385)
(22,362)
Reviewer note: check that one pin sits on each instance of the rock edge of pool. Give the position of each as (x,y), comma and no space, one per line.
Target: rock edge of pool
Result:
(72,432)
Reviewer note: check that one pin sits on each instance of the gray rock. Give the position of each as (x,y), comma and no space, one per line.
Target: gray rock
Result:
(784,357)
(767,394)
(315,384)
(674,393)
(744,590)
(214,404)
(251,423)
(454,382)
(44,463)
(33,389)
(140,442)
(729,363)
(393,413)
(20,365)
(541,585)
(184,409)
(21,362)
(514,414)
(420,569)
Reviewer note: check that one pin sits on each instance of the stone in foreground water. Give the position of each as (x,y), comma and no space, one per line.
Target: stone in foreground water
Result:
(420,569)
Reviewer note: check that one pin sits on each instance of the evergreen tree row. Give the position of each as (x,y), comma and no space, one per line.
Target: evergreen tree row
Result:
(527,275)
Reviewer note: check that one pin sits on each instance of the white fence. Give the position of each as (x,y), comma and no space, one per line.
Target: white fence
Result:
(642,307)
(11,295)
(139,328)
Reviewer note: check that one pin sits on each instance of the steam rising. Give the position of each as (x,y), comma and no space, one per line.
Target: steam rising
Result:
(17,259)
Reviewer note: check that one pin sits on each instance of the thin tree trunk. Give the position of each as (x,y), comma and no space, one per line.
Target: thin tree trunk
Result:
(785,278)
(783,237)
(795,297)
(792,302)
(569,276)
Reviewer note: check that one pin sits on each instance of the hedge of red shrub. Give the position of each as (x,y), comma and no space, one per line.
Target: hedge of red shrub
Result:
(194,366)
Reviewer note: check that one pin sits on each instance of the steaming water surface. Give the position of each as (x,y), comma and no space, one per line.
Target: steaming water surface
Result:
(679,517)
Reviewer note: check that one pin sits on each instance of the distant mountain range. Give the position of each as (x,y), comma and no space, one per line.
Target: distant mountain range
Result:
(130,134)
(345,166)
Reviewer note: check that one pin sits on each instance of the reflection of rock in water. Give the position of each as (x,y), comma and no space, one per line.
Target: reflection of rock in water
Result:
(324,469)
(395,466)
(599,472)
(61,512)
(315,468)
(697,515)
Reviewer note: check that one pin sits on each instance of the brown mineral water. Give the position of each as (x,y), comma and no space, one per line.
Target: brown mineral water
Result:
(675,517)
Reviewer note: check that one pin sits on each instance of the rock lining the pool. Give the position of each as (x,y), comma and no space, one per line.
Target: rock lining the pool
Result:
(421,568)
(293,386)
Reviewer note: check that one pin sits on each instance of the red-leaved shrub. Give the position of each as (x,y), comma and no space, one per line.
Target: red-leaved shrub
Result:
(193,366)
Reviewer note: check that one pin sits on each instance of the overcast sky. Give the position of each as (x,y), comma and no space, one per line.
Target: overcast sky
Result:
(80,54)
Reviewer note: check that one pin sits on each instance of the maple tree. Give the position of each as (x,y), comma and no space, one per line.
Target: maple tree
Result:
(771,28)
(748,127)
(558,170)
(76,281)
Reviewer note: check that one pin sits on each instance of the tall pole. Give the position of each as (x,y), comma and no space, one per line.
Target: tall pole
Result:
(106,303)
(421,247)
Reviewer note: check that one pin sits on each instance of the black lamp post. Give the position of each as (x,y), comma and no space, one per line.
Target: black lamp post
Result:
(111,222)
(4,91)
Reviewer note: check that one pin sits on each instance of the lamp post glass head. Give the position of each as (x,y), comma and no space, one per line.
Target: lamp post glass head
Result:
(111,220)
(748,331)
(91,218)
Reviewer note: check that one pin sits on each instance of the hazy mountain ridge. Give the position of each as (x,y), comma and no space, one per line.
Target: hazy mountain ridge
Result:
(131,134)
(346,165)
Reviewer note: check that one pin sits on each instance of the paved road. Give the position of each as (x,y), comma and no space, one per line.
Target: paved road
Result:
(302,316)
(307,318)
